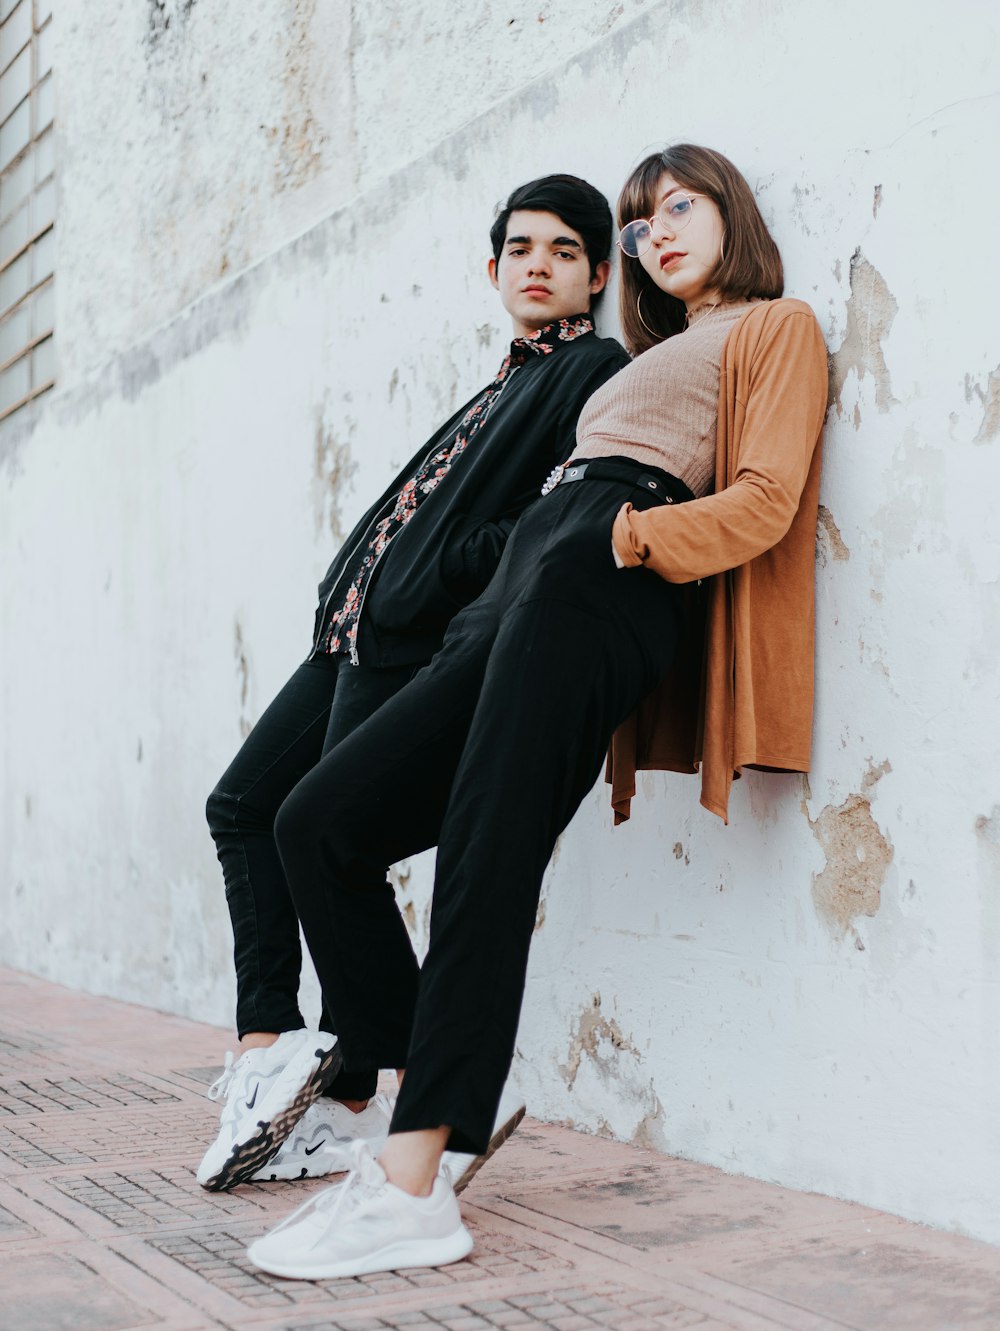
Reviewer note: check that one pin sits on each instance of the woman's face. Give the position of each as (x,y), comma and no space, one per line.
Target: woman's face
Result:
(680,258)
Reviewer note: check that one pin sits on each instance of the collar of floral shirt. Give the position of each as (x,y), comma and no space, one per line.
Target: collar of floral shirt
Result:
(543,341)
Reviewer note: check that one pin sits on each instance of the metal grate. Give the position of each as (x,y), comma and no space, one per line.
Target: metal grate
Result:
(27,202)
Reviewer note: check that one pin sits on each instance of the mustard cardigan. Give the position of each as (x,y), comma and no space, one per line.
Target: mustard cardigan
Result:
(740,693)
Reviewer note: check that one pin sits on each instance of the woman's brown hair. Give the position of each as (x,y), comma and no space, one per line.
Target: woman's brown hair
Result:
(750,265)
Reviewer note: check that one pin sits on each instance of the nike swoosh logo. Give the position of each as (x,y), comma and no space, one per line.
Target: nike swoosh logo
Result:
(253,1099)
(311,1150)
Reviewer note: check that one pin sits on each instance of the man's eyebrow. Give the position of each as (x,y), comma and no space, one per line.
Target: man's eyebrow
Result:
(558,243)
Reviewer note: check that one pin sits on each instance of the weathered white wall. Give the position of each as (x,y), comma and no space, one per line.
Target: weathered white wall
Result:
(809,995)
(197,136)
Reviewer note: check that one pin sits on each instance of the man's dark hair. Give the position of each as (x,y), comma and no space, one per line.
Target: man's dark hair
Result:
(578,204)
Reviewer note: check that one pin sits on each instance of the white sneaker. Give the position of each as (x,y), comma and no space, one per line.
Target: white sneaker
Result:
(320,1142)
(266,1092)
(460,1168)
(365,1224)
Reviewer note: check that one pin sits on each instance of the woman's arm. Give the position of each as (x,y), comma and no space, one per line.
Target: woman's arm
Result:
(785,407)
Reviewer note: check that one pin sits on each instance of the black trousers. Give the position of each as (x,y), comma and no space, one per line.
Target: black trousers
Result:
(487,753)
(323,701)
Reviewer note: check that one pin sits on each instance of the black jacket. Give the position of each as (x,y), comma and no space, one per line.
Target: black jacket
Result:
(448,551)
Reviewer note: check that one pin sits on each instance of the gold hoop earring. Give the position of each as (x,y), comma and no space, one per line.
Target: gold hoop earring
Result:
(638,309)
(722,252)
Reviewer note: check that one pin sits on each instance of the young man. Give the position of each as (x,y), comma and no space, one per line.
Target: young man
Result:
(426,548)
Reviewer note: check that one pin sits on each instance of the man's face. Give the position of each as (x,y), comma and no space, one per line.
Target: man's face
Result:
(544,274)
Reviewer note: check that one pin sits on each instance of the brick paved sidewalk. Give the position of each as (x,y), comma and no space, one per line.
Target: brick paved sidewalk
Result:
(103,1228)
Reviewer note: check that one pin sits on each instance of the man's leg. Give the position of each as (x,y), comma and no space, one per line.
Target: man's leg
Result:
(283,746)
(278,1057)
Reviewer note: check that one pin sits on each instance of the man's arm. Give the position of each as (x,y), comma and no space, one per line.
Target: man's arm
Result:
(478,550)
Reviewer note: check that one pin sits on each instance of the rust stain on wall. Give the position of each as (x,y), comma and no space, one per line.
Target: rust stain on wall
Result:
(858,855)
(871,310)
(829,540)
(594,1030)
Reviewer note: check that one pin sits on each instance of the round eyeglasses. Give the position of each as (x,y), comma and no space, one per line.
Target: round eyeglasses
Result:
(673,215)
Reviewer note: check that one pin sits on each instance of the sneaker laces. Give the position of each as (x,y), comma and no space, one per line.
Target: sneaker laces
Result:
(365,1177)
(219,1088)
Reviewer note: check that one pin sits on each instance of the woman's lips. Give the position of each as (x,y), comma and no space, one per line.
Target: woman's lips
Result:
(669,259)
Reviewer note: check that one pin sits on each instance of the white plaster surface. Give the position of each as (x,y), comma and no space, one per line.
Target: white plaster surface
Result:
(720,993)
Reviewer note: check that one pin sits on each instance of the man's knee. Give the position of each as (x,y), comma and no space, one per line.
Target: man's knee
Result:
(221,811)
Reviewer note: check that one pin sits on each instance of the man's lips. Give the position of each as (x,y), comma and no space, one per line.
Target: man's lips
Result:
(670,257)
(536,291)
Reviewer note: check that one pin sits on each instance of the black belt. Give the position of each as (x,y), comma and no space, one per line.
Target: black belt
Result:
(667,488)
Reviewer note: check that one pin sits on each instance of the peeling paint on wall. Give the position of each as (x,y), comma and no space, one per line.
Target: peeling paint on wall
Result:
(858,855)
(829,542)
(871,310)
(598,1037)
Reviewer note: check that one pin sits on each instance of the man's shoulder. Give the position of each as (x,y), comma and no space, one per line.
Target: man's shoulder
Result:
(594,350)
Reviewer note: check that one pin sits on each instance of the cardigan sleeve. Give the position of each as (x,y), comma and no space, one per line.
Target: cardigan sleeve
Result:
(784,409)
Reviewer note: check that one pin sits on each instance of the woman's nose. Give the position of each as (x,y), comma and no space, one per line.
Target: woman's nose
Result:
(657,220)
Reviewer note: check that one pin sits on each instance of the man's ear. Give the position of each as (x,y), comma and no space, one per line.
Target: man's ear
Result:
(492,270)
(600,279)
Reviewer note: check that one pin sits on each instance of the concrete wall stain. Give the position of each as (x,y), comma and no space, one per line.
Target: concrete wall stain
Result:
(301,138)
(990,398)
(162,14)
(871,310)
(988,826)
(333,471)
(243,675)
(829,542)
(858,855)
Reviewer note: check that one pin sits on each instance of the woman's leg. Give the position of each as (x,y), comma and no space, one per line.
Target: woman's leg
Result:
(376,798)
(580,642)
(560,680)
(361,691)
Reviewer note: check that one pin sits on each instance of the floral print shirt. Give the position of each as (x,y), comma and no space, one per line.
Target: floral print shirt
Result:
(342,632)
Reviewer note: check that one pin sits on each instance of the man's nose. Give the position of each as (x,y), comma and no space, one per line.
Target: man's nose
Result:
(539,262)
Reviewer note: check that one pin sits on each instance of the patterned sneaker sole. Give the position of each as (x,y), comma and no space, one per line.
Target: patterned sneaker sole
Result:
(496,1141)
(402,1256)
(256,1149)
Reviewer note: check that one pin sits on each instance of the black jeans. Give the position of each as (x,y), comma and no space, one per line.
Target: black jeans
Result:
(321,704)
(487,753)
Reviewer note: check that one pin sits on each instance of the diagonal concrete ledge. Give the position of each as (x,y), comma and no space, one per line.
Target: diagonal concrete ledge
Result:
(103,1228)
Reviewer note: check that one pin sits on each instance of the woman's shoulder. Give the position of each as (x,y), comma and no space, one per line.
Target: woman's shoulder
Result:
(773,312)
(776,326)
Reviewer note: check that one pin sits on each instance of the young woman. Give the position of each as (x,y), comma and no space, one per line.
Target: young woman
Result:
(697,463)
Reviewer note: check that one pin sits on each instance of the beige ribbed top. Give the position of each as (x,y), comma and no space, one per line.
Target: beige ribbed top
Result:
(663,408)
